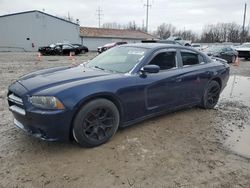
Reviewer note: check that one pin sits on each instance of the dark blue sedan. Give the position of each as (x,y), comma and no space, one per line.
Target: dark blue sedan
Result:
(120,87)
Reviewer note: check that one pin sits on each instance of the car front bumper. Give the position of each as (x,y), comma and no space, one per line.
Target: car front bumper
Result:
(46,125)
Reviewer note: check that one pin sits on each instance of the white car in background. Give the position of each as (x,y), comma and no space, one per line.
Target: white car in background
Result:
(199,46)
(244,50)
(180,40)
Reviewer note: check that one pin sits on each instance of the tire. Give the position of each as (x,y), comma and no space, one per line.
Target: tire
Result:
(211,95)
(95,123)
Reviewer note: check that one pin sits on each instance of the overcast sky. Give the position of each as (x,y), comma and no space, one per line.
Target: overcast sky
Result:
(184,14)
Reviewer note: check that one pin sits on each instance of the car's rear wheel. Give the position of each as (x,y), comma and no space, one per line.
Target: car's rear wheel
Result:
(211,95)
(96,122)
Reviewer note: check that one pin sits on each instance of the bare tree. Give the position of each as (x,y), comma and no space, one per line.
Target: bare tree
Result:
(165,30)
(112,25)
(233,32)
(187,35)
(130,26)
(222,32)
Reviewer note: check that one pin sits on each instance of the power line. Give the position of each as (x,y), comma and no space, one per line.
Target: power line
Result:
(147,7)
(99,14)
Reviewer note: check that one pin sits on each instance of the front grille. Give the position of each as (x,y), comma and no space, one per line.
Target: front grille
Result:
(15,99)
(16,104)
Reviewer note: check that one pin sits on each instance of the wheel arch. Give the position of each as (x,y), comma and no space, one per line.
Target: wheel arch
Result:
(109,96)
(217,79)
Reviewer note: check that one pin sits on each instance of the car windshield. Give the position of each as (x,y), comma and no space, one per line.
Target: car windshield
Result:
(119,59)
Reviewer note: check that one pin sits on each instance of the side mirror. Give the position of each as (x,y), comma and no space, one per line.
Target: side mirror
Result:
(150,69)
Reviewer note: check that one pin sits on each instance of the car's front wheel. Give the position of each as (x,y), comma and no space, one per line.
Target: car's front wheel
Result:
(95,123)
(211,95)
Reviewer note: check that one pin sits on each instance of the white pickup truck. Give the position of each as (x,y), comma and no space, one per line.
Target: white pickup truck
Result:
(244,50)
(180,40)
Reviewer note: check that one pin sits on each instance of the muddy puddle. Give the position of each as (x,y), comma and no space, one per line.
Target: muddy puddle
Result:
(238,89)
(234,109)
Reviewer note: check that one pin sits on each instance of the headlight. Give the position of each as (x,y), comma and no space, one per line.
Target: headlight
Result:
(46,102)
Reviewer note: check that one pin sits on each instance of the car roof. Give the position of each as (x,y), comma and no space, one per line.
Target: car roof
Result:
(155,46)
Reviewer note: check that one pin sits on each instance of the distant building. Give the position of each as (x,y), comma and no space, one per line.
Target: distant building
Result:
(95,37)
(29,30)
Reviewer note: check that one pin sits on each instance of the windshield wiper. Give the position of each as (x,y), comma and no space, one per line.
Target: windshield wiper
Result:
(113,71)
(97,67)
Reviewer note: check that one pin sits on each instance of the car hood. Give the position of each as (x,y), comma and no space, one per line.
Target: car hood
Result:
(58,76)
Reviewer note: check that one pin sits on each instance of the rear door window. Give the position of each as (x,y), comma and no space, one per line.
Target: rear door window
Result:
(190,58)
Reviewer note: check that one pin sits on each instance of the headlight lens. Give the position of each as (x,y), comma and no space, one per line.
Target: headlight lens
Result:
(46,102)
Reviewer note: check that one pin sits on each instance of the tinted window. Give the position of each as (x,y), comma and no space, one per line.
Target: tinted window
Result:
(201,59)
(189,58)
(165,60)
(58,47)
(66,46)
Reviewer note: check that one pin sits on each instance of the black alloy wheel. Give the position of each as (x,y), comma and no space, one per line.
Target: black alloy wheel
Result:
(96,123)
(211,95)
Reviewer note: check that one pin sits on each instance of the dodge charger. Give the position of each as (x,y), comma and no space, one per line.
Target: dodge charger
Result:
(122,86)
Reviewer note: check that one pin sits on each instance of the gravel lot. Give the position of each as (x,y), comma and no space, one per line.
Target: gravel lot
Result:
(189,148)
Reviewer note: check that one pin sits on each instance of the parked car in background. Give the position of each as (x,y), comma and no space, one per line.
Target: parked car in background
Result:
(84,49)
(120,87)
(59,49)
(224,52)
(244,50)
(197,46)
(109,45)
(162,41)
(180,40)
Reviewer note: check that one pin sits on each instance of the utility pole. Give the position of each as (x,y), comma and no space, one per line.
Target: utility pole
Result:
(244,22)
(147,7)
(99,14)
(68,17)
